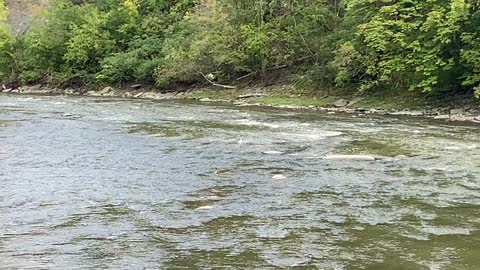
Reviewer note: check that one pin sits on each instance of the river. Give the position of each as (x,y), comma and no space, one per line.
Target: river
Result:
(109,183)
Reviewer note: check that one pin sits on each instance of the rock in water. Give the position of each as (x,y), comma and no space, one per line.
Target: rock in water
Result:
(205,207)
(340,103)
(272,153)
(351,157)
(279,177)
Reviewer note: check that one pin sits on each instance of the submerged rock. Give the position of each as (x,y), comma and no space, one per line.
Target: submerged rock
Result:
(279,177)
(69,115)
(205,207)
(272,153)
(351,157)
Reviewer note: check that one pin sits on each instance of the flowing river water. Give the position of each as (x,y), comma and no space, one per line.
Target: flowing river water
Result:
(108,183)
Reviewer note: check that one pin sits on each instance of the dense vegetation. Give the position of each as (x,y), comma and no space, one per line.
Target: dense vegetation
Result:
(361,45)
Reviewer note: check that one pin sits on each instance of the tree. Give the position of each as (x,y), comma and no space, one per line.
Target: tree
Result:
(404,44)
(470,52)
(5,43)
(233,39)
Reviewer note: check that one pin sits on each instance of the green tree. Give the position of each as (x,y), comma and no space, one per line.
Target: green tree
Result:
(232,39)
(352,44)
(405,44)
(470,52)
(151,21)
(88,44)
(5,43)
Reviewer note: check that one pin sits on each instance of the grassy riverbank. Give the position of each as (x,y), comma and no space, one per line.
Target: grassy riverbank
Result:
(383,100)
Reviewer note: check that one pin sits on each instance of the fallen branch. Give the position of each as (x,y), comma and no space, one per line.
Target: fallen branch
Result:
(217,84)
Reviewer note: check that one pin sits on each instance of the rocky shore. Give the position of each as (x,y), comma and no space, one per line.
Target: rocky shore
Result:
(137,91)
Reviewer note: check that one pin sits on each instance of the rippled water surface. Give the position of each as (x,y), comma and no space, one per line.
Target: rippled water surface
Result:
(121,184)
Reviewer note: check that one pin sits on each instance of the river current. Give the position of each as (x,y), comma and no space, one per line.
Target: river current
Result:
(110,183)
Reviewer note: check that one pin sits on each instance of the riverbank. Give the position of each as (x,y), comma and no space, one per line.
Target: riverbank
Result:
(451,108)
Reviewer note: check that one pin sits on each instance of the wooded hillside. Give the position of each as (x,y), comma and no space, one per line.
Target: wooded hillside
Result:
(354,45)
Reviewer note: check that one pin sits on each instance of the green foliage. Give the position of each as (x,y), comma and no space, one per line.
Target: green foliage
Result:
(406,44)
(5,43)
(138,63)
(88,45)
(231,39)
(470,53)
(62,44)
(153,21)
(72,40)
(360,45)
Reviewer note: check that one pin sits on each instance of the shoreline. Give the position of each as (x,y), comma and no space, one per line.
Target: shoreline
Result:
(262,97)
